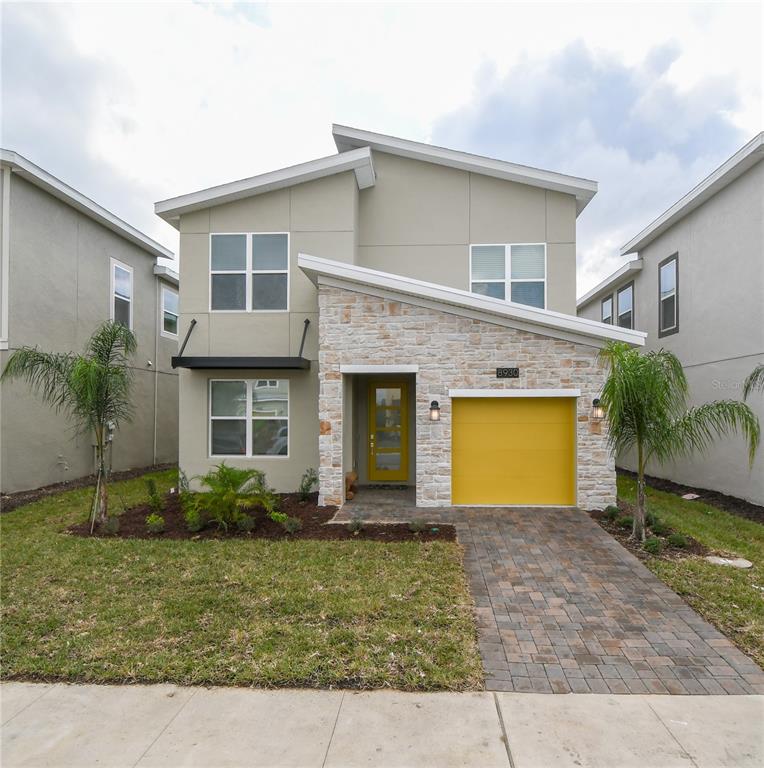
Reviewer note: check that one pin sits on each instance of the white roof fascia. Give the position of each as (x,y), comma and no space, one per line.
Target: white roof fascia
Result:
(629,268)
(724,175)
(32,173)
(583,190)
(492,310)
(165,273)
(359,161)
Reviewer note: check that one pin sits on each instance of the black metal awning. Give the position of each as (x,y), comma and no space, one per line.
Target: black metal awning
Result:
(252,363)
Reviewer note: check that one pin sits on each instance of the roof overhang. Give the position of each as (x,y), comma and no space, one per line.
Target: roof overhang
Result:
(724,175)
(455,301)
(243,363)
(359,161)
(628,269)
(167,274)
(347,139)
(32,173)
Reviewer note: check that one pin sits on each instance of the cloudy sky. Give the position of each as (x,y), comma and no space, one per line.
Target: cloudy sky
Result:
(135,102)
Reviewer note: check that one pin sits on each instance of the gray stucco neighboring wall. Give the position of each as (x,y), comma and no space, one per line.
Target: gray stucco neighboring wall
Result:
(59,293)
(720,248)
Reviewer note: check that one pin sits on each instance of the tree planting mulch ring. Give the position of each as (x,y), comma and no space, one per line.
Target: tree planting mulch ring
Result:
(315,525)
(668,552)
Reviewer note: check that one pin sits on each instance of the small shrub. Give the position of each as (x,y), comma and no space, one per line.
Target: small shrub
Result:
(677,540)
(625,521)
(111,526)
(183,485)
(612,512)
(194,518)
(650,519)
(660,528)
(155,523)
(653,545)
(155,498)
(292,524)
(418,525)
(308,482)
(356,525)
(245,523)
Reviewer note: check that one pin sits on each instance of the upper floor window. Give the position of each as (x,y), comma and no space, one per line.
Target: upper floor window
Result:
(249,417)
(121,309)
(514,272)
(668,298)
(169,312)
(249,272)
(625,298)
(607,310)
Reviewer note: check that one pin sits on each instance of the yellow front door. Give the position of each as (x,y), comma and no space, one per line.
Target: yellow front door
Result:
(388,431)
(514,451)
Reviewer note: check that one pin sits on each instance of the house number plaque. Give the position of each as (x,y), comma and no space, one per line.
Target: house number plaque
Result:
(507,373)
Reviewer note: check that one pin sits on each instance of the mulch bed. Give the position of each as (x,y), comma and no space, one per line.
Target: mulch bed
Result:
(693,549)
(730,504)
(132,525)
(11,501)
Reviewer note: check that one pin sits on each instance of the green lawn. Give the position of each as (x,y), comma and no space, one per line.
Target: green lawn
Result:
(301,613)
(731,599)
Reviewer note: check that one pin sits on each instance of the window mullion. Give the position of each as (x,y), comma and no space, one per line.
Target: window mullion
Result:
(248,284)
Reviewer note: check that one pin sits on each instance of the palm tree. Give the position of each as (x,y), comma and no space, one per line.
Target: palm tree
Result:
(754,382)
(645,400)
(93,389)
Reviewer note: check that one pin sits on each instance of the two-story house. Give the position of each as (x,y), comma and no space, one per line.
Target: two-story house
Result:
(696,286)
(400,310)
(66,266)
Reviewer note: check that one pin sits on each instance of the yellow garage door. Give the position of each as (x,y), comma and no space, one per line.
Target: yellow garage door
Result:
(514,450)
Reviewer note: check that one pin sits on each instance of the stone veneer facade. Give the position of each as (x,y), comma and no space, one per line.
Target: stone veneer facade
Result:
(452,351)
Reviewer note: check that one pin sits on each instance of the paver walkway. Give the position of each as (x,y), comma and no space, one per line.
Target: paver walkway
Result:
(562,607)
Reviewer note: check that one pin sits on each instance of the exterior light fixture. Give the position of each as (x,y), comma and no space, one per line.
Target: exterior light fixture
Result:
(598,412)
(434,411)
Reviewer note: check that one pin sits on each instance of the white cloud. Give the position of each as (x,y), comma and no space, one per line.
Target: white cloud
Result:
(167,97)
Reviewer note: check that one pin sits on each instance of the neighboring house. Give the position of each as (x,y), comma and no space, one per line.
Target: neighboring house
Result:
(68,265)
(697,289)
(398,309)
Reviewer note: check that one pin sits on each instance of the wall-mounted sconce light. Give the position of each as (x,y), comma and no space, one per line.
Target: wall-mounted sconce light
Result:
(434,411)
(598,412)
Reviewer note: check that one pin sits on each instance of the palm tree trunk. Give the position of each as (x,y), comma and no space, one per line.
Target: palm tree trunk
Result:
(103,494)
(638,531)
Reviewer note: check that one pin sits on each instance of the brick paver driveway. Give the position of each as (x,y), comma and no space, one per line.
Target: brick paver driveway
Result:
(562,606)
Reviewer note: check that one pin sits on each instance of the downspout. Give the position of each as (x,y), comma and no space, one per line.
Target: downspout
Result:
(157,326)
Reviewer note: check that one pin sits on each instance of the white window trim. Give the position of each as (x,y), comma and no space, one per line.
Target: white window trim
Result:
(602,307)
(250,385)
(508,279)
(661,298)
(514,393)
(166,289)
(248,272)
(628,286)
(117,263)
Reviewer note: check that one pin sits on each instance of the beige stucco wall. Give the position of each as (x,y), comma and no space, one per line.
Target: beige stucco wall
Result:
(420,219)
(59,294)
(721,321)
(451,351)
(321,218)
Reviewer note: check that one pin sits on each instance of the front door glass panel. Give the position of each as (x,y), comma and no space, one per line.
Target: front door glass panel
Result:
(388,459)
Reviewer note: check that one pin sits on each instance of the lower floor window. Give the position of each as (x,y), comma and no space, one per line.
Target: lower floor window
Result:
(249,417)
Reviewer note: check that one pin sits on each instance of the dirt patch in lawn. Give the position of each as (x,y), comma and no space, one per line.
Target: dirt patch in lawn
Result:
(693,547)
(314,519)
(11,501)
(730,504)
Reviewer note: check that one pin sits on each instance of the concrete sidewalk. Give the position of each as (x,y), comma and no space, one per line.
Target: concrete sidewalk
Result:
(165,725)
